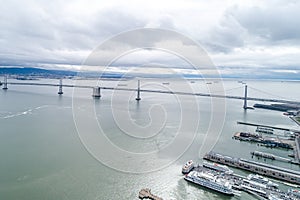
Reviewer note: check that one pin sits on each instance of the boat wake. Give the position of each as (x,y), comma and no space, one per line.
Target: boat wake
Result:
(26,112)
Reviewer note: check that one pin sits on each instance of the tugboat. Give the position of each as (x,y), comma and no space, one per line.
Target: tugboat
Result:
(187,167)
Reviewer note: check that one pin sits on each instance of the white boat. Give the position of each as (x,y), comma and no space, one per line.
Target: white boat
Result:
(210,181)
(266,130)
(261,180)
(217,167)
(187,167)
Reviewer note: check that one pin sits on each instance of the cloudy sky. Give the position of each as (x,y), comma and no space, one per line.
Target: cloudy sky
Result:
(239,36)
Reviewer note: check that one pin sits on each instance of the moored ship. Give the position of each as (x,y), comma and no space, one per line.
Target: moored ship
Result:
(210,181)
(262,180)
(217,167)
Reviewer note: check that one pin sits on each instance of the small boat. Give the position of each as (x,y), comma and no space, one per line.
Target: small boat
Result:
(217,167)
(261,180)
(187,167)
(266,130)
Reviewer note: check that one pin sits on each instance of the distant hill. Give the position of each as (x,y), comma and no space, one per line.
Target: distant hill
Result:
(38,72)
(46,73)
(35,72)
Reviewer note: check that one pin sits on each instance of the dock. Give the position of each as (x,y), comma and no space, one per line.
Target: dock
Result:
(146,194)
(240,183)
(267,141)
(268,126)
(273,157)
(283,174)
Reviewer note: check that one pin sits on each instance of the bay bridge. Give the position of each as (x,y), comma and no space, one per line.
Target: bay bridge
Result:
(96,91)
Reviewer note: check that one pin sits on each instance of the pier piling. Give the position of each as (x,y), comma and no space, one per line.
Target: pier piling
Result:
(5,83)
(60,90)
(245,98)
(96,92)
(138,97)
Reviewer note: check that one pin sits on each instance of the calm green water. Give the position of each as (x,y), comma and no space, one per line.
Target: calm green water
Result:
(44,157)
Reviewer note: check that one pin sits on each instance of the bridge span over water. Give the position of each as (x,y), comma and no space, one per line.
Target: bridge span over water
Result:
(138,90)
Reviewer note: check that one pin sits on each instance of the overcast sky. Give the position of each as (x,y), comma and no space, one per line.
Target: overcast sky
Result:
(237,35)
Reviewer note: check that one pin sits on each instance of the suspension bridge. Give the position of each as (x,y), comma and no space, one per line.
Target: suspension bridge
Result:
(96,93)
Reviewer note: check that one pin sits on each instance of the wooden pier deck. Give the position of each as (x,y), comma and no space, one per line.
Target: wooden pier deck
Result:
(146,194)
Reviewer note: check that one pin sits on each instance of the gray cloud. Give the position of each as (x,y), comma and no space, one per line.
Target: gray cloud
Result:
(258,35)
(275,22)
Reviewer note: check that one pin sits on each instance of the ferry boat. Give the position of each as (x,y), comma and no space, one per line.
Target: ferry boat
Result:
(217,167)
(265,130)
(261,180)
(210,181)
(187,167)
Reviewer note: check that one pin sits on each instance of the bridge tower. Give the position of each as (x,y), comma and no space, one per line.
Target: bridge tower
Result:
(245,98)
(5,83)
(60,90)
(96,92)
(138,97)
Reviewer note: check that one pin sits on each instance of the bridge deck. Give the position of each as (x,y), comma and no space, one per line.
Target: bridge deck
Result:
(161,91)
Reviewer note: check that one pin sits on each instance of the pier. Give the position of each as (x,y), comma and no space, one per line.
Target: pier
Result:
(273,157)
(268,126)
(242,183)
(146,194)
(256,167)
(267,141)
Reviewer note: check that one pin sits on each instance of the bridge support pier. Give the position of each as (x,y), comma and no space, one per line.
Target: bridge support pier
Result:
(60,90)
(5,83)
(138,97)
(96,92)
(245,98)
